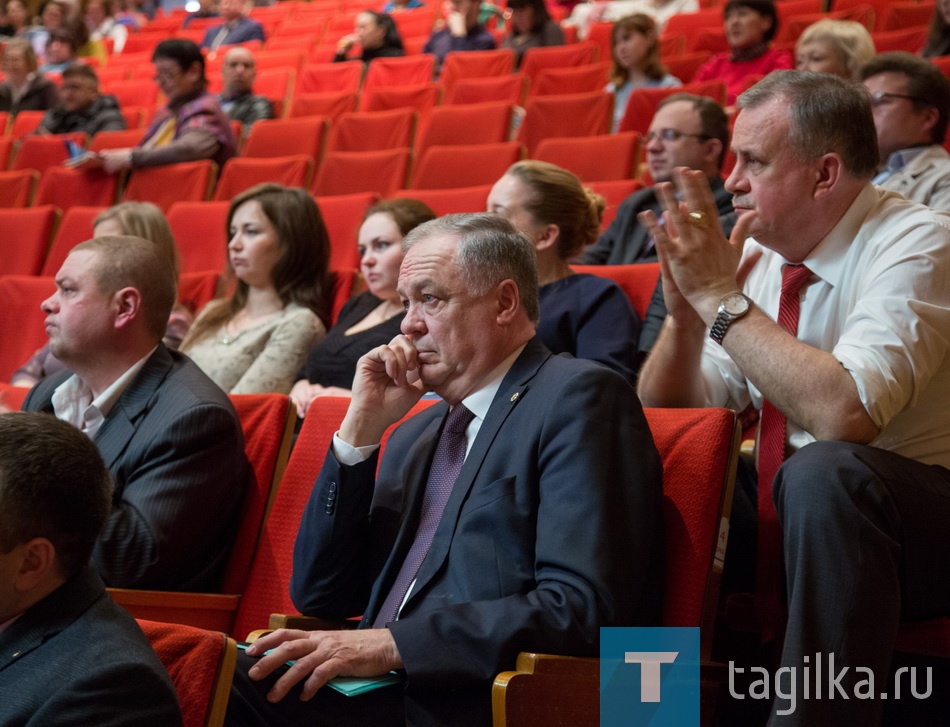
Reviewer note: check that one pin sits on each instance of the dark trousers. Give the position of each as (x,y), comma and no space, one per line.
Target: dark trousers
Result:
(866,544)
(248,705)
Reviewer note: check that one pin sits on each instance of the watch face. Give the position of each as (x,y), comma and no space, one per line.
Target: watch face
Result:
(735,304)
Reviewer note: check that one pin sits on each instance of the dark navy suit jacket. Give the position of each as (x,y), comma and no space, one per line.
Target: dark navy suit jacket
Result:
(174,446)
(77,658)
(552,530)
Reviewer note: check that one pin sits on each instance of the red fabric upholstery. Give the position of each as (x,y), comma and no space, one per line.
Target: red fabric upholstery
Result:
(194,661)
(637,281)
(267,589)
(26,238)
(264,421)
(163,186)
(76,227)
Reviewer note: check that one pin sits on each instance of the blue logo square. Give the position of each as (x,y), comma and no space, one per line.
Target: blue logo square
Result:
(649,676)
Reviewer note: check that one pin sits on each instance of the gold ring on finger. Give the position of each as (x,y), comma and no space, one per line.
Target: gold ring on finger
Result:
(699,220)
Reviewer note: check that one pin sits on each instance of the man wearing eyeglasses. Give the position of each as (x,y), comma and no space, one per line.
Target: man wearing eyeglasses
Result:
(910,99)
(686,131)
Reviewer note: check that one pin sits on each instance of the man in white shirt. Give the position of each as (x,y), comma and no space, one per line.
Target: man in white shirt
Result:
(857,398)
(910,98)
(549,524)
(168,434)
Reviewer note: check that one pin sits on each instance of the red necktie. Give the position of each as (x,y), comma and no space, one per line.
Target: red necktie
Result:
(446,465)
(772,438)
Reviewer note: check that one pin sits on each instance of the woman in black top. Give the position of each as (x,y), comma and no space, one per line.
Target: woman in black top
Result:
(376,34)
(371,318)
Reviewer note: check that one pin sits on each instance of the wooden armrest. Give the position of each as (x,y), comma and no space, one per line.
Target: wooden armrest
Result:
(547,691)
(308,623)
(210,611)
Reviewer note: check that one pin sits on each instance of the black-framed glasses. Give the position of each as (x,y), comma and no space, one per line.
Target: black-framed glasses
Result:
(878,96)
(673,135)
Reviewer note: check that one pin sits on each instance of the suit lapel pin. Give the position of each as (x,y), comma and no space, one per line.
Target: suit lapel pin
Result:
(514,397)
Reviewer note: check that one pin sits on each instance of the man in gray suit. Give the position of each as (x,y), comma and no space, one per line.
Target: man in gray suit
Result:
(68,654)
(168,434)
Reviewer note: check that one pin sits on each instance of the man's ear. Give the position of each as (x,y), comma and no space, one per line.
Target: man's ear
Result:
(830,170)
(509,301)
(37,563)
(128,306)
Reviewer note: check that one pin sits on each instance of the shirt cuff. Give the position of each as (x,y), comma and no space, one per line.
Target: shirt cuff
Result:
(348,455)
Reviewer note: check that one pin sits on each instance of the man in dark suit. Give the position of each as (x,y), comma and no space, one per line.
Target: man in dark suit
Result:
(168,434)
(237,27)
(68,654)
(549,530)
(686,131)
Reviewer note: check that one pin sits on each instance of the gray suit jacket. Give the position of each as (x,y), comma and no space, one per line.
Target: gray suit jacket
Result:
(926,179)
(552,530)
(174,446)
(76,658)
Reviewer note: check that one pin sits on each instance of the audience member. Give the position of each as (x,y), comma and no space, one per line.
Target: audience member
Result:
(374,316)
(70,655)
(139,219)
(170,437)
(686,131)
(256,341)
(586,316)
(583,14)
(130,14)
(531,27)
(101,23)
(17,18)
(237,27)
(749,25)
(522,558)
(938,38)
(61,50)
(840,47)
(190,126)
(636,56)
(910,99)
(237,98)
(377,36)
(81,107)
(23,87)
(861,513)
(462,31)
(53,15)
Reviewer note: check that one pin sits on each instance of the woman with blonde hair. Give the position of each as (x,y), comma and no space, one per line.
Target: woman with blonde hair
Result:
(373,317)
(839,47)
(141,219)
(585,315)
(636,55)
(23,87)
(255,341)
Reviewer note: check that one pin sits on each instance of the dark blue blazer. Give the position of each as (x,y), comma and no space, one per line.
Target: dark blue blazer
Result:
(552,530)
(245,30)
(77,658)
(174,446)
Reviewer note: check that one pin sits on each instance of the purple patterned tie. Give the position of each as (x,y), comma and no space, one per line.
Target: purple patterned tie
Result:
(446,464)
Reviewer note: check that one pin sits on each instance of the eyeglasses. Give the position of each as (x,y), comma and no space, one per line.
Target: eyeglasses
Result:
(673,135)
(878,97)
(166,74)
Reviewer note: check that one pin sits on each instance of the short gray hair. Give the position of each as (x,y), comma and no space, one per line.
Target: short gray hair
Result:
(489,250)
(825,114)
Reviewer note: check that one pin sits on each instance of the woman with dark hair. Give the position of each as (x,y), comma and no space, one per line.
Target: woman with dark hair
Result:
(749,25)
(584,315)
(371,318)
(531,27)
(24,88)
(278,249)
(636,54)
(938,39)
(16,18)
(189,127)
(376,34)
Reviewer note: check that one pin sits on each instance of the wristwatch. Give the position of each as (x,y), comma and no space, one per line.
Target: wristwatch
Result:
(732,306)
